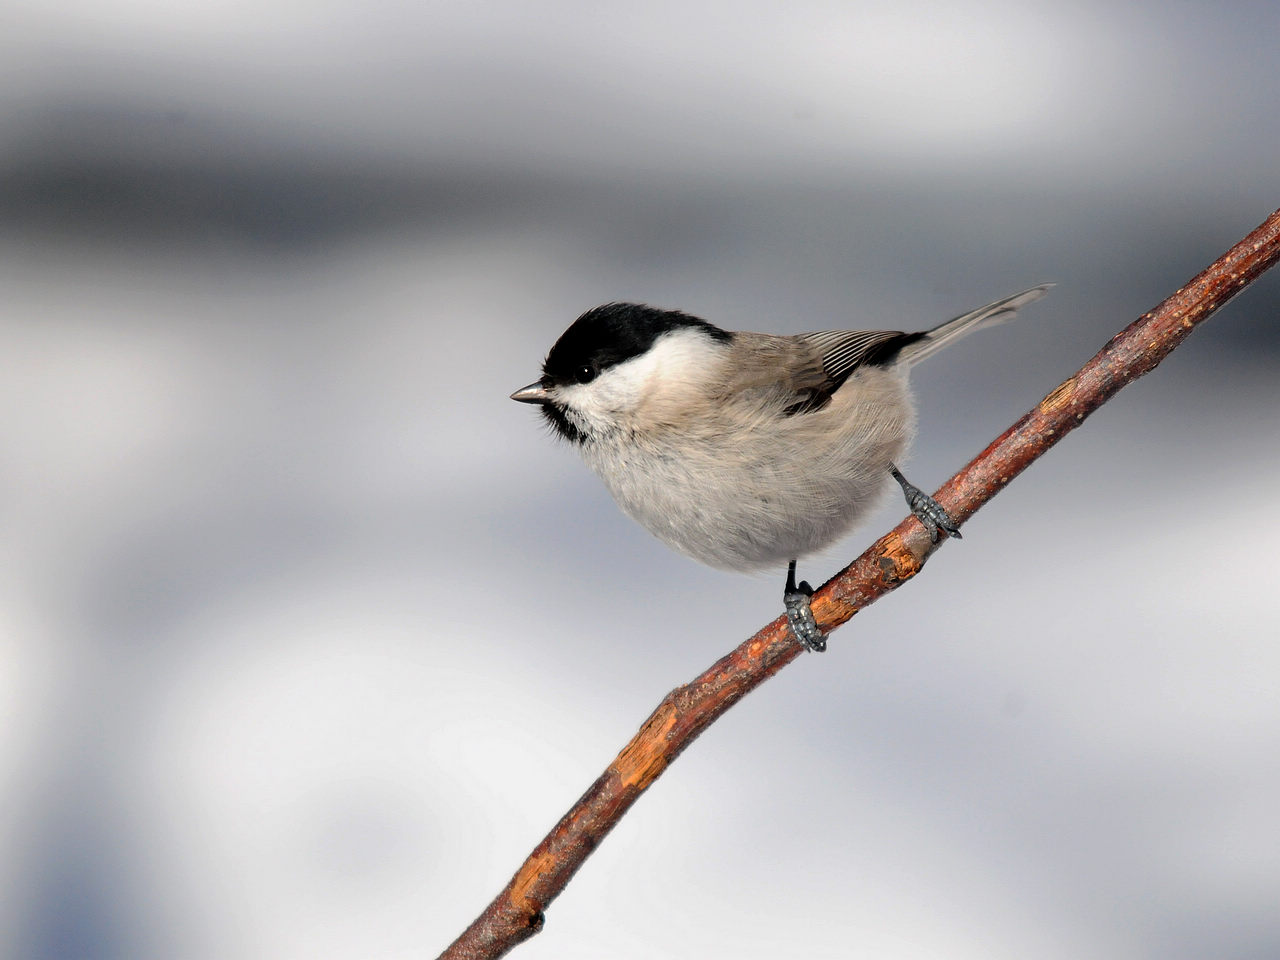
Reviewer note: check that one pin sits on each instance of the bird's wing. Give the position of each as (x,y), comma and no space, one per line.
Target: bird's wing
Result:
(799,374)
(843,351)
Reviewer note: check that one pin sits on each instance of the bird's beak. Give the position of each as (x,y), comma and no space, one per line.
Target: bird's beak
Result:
(533,393)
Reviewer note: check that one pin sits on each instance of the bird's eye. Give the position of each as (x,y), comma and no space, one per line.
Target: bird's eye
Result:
(585,373)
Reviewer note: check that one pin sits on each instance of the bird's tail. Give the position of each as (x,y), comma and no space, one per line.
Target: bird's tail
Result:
(947,333)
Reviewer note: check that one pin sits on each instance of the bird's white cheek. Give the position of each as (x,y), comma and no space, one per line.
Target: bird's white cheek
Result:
(598,406)
(610,399)
(621,393)
(606,394)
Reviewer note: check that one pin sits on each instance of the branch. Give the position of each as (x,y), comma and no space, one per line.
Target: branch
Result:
(517,912)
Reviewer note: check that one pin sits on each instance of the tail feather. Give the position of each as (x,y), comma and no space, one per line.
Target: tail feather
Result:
(947,333)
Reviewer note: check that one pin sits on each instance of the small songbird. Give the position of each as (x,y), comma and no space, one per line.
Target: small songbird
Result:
(745,450)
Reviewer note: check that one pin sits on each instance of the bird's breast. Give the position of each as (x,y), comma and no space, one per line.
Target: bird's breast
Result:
(756,493)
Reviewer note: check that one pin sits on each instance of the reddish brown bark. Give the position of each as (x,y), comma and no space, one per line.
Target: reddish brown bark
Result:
(517,912)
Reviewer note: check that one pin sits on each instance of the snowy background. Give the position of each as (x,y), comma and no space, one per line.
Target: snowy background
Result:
(308,633)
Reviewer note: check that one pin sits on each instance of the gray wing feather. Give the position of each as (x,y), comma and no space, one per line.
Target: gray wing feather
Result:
(844,350)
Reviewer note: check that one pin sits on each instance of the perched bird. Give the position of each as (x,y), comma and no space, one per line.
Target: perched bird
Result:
(745,450)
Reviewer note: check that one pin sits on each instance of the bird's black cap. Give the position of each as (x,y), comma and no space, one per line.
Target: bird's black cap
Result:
(611,334)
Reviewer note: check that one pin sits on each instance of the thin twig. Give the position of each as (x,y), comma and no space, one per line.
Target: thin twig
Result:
(517,912)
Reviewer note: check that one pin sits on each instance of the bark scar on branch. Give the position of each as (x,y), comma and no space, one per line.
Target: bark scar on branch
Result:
(644,758)
(517,913)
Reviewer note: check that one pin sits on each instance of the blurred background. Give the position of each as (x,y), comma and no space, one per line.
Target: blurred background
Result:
(308,634)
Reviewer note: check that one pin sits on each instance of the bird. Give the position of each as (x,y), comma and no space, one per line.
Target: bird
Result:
(746,450)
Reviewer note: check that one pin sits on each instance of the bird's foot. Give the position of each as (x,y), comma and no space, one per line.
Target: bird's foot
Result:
(800,614)
(926,509)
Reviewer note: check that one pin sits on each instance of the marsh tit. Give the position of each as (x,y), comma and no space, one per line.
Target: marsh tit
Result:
(745,450)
